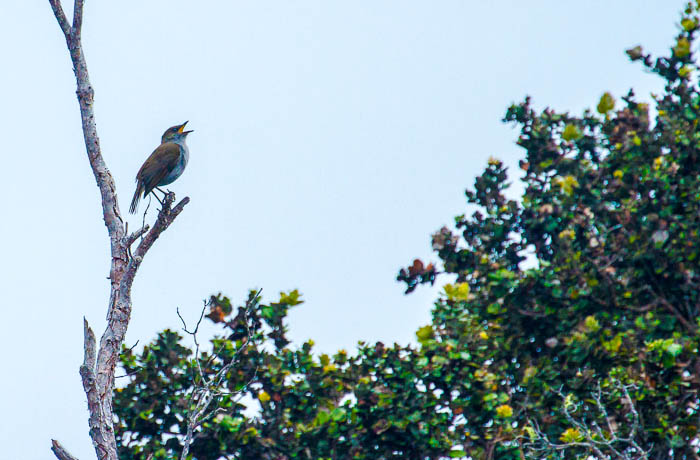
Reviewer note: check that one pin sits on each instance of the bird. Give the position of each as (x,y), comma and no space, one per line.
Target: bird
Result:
(164,166)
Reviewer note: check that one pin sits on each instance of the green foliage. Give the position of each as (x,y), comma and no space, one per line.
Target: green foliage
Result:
(571,133)
(606,103)
(304,404)
(571,435)
(590,278)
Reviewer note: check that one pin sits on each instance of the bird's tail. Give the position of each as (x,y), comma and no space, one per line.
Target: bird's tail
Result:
(136,198)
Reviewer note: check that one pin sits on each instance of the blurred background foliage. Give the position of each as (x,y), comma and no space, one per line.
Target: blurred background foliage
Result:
(567,324)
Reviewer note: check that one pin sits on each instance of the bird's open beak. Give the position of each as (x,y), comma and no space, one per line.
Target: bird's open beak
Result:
(181,129)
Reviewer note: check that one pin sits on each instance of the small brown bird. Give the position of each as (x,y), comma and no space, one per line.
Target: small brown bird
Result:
(165,164)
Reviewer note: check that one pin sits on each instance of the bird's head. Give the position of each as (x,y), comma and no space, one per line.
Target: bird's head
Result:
(175,133)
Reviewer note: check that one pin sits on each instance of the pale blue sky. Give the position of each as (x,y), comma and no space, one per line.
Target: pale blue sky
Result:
(331,139)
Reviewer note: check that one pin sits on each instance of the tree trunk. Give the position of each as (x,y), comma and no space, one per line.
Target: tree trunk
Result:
(97,370)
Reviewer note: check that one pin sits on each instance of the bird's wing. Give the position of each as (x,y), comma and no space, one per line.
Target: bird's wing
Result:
(163,160)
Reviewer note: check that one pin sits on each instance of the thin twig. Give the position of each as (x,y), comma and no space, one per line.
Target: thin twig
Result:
(129,374)
(136,235)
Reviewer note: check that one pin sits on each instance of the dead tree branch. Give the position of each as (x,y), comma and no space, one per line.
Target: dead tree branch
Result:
(60,452)
(207,390)
(614,440)
(97,370)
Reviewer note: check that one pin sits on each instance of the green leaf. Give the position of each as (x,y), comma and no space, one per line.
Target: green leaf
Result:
(338,414)
(322,417)
(592,324)
(291,298)
(425,333)
(571,435)
(457,292)
(674,349)
(493,309)
(606,103)
(566,183)
(504,411)
(682,48)
(689,24)
(684,72)
(267,312)
(571,133)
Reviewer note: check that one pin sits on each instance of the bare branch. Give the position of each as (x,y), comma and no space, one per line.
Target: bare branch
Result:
(61,18)
(136,235)
(209,390)
(131,348)
(166,216)
(615,441)
(89,345)
(77,18)
(199,321)
(128,374)
(687,324)
(60,452)
(99,431)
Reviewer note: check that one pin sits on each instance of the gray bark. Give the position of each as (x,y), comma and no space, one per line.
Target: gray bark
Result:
(97,370)
(60,452)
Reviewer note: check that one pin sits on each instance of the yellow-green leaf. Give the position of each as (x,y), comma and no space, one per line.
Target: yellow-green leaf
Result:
(569,401)
(531,433)
(291,298)
(571,435)
(566,184)
(682,48)
(571,133)
(504,411)
(330,368)
(688,24)
(613,345)
(425,333)
(684,72)
(567,234)
(530,372)
(592,324)
(606,104)
(457,292)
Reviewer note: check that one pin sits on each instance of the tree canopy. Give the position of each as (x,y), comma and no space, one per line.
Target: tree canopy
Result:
(568,328)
